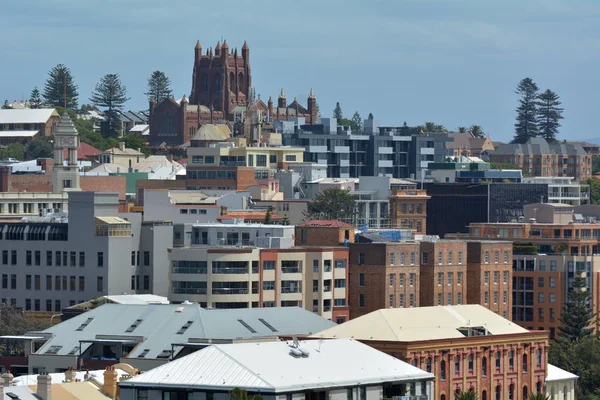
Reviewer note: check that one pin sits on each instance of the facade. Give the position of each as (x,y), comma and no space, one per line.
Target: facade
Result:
(122,156)
(490,275)
(452,207)
(408,209)
(564,190)
(147,336)
(324,233)
(539,158)
(328,369)
(467,145)
(294,210)
(20,125)
(560,384)
(65,174)
(467,348)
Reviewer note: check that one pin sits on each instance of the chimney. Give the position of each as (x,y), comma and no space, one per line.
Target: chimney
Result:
(69,375)
(122,146)
(44,386)
(4,179)
(7,379)
(110,382)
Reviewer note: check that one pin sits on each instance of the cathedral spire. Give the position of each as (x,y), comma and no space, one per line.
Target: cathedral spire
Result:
(282,94)
(312,94)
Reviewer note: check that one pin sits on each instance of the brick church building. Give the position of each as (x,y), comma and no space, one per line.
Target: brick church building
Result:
(221,93)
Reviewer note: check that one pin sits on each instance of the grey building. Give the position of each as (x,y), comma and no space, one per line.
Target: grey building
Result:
(52,262)
(146,336)
(398,152)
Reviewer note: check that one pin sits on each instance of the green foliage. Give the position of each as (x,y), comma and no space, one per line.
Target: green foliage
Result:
(595,165)
(467,396)
(577,316)
(268,218)
(461,129)
(35,100)
(370,116)
(524,249)
(333,204)
(13,150)
(357,123)
(337,111)
(111,94)
(135,140)
(159,86)
(60,81)
(594,190)
(549,115)
(241,394)
(477,131)
(538,396)
(526,126)
(581,358)
(285,220)
(40,147)
(432,127)
(13,322)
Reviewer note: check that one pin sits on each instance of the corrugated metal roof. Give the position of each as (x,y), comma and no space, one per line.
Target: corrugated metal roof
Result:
(421,323)
(27,116)
(269,367)
(18,133)
(161,322)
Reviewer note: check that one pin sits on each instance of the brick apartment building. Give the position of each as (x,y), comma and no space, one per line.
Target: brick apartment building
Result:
(408,209)
(19,125)
(324,233)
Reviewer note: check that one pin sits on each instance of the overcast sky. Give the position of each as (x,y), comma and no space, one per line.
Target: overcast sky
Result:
(454,62)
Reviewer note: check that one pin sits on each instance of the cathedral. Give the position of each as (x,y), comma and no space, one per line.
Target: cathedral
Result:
(221,93)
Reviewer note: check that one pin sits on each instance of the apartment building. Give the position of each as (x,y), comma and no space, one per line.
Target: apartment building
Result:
(55,261)
(18,125)
(490,275)
(466,347)
(408,209)
(239,265)
(564,190)
(539,158)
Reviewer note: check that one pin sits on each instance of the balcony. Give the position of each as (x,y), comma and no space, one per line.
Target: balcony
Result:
(232,163)
(180,290)
(230,291)
(341,149)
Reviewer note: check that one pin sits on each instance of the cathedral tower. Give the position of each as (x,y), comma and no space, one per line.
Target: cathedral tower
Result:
(65,175)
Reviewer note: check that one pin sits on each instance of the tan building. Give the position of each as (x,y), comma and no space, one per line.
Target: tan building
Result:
(20,125)
(489,273)
(122,156)
(408,209)
(321,232)
(467,145)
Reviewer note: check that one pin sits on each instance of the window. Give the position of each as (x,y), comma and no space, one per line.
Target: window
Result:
(28,257)
(13,281)
(449,278)
(540,297)
(100,259)
(142,394)
(339,283)
(424,257)
(524,363)
(486,297)
(504,297)
(541,282)
(505,277)
(5,257)
(440,257)
(392,258)
(81,283)
(361,300)
(459,276)
(486,277)
(460,257)
(496,277)
(486,257)
(270,265)
(498,360)
(538,357)
(440,278)
(412,258)
(13,257)
(484,366)
(411,300)
(495,297)
(38,257)
(552,282)
(401,300)
(100,284)
(361,258)
(459,298)
(496,257)
(470,362)
(412,279)
(48,282)
(361,279)
(428,366)
(439,299)
(28,282)
(449,299)
(402,258)
(511,358)
(443,370)
(392,280)
(449,257)
(552,313)
(82,259)
(457,365)
(551,297)
(401,278)
(391,303)
(505,257)
(146,258)
(261,160)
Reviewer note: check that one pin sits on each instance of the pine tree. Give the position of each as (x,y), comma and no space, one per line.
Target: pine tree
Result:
(357,123)
(111,94)
(337,112)
(159,86)
(370,116)
(35,100)
(526,126)
(577,315)
(477,131)
(59,82)
(549,115)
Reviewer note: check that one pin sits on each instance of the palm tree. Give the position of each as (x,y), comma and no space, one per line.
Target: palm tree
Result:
(462,129)
(538,396)
(241,394)
(467,396)
(477,131)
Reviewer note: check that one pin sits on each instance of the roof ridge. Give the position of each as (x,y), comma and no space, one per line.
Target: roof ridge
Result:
(218,347)
(201,312)
(388,323)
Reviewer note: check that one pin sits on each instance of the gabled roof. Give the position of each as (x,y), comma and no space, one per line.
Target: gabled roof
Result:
(127,151)
(84,151)
(558,374)
(326,223)
(27,115)
(212,132)
(270,367)
(161,322)
(421,323)
(539,146)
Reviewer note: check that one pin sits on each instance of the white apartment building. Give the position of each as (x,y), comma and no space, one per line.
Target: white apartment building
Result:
(563,190)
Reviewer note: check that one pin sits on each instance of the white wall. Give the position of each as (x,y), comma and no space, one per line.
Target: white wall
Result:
(556,390)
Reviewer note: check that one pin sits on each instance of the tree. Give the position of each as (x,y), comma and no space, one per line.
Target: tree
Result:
(432,127)
(159,87)
(268,217)
(526,125)
(549,115)
(337,111)
(581,358)
(40,147)
(135,140)
(241,394)
(466,396)
(538,396)
(285,220)
(594,190)
(577,315)
(111,94)
(333,204)
(357,123)
(370,116)
(59,83)
(13,150)
(462,129)
(477,131)
(35,100)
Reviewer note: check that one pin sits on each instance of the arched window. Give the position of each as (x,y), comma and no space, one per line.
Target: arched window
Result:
(457,365)
(511,391)
(232,81)
(167,125)
(415,362)
(471,362)
(538,387)
(240,82)
(524,363)
(428,364)
(443,370)
(218,82)
(538,356)
(484,366)
(484,395)
(205,82)
(498,393)
(457,393)
(565,391)
(525,392)
(498,359)
(511,359)
(443,397)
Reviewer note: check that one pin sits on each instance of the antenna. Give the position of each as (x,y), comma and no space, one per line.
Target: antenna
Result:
(295,339)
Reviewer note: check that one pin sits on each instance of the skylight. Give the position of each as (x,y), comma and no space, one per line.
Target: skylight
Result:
(53,350)
(268,325)
(86,323)
(134,326)
(251,329)
(184,327)
(143,353)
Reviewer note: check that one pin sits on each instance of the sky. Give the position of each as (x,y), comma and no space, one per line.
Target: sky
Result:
(453,62)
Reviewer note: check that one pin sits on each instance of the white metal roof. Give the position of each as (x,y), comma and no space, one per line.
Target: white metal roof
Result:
(422,323)
(558,374)
(269,367)
(18,133)
(26,116)
(137,299)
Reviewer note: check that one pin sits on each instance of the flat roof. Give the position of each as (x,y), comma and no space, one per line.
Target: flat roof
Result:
(273,367)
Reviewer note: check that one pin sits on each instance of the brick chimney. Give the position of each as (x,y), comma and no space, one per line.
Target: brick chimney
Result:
(4,179)
(110,382)
(44,386)
(69,375)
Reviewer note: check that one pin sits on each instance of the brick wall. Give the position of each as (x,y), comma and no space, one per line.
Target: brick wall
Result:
(451,291)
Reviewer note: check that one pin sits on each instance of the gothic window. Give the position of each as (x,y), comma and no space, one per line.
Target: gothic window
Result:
(167,126)
(218,82)
(205,83)
(241,82)
(232,81)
